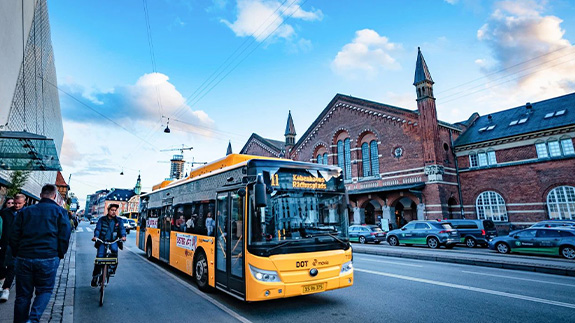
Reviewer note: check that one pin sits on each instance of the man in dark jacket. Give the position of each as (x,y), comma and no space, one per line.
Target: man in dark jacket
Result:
(108,229)
(6,260)
(39,240)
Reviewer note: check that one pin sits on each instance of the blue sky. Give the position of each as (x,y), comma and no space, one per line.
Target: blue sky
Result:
(285,55)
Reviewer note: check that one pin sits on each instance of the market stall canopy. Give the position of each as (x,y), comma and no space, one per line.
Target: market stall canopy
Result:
(21,150)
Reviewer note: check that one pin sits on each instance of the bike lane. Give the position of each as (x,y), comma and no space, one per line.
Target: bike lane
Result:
(139,292)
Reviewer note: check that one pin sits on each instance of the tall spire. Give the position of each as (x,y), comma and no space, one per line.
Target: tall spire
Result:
(229,151)
(290,133)
(290,128)
(138,188)
(421,71)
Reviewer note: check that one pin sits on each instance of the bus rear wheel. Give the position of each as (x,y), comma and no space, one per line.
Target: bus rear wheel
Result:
(201,272)
(149,250)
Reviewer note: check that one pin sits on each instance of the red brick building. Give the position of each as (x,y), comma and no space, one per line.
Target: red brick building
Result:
(397,163)
(517,166)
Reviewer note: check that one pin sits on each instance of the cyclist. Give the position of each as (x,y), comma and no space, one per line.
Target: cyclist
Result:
(108,229)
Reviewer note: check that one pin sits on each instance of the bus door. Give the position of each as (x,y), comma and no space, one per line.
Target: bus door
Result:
(165,230)
(230,243)
(142,232)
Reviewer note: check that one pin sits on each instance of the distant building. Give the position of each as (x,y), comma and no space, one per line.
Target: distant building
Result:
(127,199)
(62,186)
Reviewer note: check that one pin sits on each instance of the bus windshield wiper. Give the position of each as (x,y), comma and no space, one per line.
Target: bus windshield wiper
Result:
(285,243)
(333,236)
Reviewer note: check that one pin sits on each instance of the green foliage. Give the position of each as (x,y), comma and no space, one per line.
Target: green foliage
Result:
(18,179)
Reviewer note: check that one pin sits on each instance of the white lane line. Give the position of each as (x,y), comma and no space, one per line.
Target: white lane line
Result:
(517,278)
(79,230)
(89,230)
(388,262)
(469,288)
(199,293)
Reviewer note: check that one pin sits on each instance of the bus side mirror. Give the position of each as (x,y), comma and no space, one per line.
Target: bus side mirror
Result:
(260,192)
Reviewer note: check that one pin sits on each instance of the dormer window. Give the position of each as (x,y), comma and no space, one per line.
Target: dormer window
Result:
(522,121)
(514,122)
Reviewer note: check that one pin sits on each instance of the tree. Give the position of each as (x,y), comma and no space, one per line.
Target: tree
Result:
(18,179)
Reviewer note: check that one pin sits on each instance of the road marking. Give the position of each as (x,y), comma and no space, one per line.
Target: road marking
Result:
(469,288)
(89,229)
(198,292)
(79,230)
(390,262)
(517,278)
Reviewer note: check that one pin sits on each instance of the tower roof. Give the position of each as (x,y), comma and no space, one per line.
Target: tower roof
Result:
(229,151)
(290,128)
(421,71)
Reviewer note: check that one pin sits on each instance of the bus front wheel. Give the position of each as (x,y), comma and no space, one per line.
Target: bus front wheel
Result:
(201,272)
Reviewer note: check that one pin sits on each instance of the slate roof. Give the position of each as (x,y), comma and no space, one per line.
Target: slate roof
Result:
(508,123)
(421,70)
(275,145)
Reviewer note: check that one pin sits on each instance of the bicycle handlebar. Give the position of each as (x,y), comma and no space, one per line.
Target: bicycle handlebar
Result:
(111,242)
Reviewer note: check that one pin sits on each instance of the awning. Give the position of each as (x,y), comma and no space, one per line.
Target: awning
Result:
(411,186)
(21,150)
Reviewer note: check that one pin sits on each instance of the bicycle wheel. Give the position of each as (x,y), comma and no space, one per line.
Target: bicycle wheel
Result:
(103,279)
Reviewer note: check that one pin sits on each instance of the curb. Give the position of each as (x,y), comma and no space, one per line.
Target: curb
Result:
(476,262)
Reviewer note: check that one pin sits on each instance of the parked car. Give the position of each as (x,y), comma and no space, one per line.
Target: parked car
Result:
(474,232)
(554,223)
(93,220)
(126,224)
(366,233)
(550,241)
(431,233)
(132,224)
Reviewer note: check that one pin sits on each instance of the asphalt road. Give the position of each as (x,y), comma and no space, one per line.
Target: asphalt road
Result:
(386,289)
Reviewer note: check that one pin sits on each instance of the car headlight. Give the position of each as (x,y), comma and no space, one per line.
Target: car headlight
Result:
(268,276)
(347,267)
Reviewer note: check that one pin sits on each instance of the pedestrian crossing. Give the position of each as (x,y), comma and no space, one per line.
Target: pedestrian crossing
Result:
(82,230)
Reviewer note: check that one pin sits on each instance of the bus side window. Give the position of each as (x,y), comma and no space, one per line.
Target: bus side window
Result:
(179,223)
(190,218)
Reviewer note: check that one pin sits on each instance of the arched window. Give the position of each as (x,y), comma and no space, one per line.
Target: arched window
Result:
(325,158)
(561,203)
(319,159)
(344,157)
(365,159)
(490,205)
(374,158)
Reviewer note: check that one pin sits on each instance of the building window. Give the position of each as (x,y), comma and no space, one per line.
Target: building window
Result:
(490,205)
(365,159)
(374,158)
(319,159)
(344,157)
(561,203)
(554,148)
(482,159)
(473,160)
(325,158)
(541,150)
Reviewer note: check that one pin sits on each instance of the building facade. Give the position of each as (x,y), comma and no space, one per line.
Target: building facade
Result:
(29,98)
(515,167)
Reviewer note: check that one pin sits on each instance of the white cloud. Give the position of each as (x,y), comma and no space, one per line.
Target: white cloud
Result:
(531,48)
(452,1)
(368,54)
(263,18)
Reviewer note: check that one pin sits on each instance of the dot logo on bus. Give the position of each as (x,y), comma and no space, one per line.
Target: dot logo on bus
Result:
(301,264)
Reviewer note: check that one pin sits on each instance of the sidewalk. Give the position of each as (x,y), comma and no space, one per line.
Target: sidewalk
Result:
(548,265)
(61,306)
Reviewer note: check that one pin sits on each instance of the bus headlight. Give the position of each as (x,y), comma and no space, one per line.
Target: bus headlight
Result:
(268,276)
(347,267)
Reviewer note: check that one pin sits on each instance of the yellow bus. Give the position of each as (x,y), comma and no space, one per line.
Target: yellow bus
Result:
(256,228)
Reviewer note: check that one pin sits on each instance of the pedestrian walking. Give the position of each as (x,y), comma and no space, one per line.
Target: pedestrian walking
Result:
(40,238)
(6,261)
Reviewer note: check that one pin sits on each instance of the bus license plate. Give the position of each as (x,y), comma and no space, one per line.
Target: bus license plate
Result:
(313,288)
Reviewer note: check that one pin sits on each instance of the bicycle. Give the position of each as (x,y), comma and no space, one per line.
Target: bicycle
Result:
(106,262)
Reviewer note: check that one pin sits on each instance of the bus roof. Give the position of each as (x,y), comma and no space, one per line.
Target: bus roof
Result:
(227,161)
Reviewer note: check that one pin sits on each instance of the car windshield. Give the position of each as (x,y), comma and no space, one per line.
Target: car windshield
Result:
(292,217)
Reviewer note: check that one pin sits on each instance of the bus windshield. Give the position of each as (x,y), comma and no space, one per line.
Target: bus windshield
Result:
(296,221)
